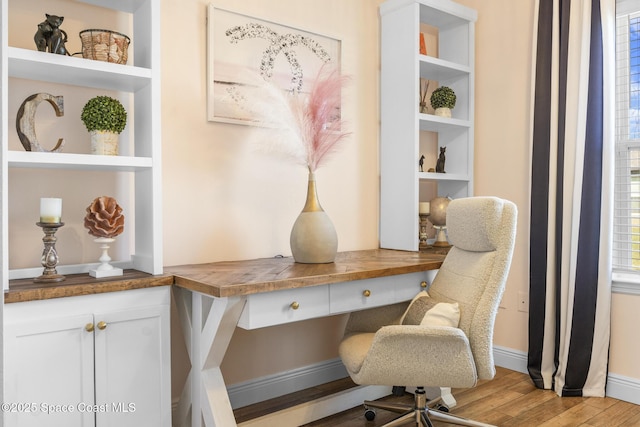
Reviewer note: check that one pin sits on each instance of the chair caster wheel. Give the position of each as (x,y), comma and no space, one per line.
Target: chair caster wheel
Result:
(369,414)
(442,408)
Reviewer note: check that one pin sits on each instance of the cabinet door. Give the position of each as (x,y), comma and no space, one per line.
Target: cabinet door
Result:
(132,367)
(49,367)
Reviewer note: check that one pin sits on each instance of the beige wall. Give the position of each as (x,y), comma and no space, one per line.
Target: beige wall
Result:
(503,46)
(225,201)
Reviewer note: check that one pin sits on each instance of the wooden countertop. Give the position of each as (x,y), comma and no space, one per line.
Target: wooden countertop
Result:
(230,278)
(22,290)
(224,279)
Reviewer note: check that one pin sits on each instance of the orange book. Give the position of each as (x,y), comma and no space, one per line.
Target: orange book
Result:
(423,46)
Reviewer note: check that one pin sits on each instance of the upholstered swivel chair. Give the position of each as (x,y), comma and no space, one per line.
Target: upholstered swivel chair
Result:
(380,347)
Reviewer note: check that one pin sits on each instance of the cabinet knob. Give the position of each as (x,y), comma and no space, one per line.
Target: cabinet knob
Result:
(366,293)
(423,284)
(295,305)
(102,325)
(88,327)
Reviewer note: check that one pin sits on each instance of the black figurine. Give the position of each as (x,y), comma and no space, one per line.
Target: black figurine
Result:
(440,162)
(50,37)
(421,163)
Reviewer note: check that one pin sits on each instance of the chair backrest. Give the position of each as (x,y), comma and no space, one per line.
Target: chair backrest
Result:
(482,231)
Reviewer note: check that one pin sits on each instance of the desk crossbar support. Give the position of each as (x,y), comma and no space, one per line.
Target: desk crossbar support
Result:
(212,323)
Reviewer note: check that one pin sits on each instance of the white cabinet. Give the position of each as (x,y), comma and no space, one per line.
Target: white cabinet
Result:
(136,172)
(97,360)
(48,362)
(405,133)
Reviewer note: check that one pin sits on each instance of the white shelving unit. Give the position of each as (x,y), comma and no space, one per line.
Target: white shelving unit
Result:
(402,66)
(140,79)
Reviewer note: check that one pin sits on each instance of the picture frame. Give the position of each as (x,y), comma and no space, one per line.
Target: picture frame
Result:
(243,50)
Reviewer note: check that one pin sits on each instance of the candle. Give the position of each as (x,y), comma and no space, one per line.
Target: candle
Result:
(424,208)
(50,210)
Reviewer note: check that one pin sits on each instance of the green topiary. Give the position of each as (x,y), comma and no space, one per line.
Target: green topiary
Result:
(443,97)
(104,113)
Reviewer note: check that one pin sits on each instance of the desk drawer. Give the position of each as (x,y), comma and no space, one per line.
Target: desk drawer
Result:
(368,293)
(275,308)
(360,294)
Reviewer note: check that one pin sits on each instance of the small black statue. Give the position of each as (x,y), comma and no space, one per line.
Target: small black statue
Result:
(50,37)
(421,163)
(440,162)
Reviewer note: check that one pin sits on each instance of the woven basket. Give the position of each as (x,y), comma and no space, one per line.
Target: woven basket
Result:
(105,45)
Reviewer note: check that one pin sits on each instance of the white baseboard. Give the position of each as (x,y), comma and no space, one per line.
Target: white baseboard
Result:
(623,388)
(268,387)
(271,386)
(511,359)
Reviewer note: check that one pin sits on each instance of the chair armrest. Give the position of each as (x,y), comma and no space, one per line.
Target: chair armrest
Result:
(427,339)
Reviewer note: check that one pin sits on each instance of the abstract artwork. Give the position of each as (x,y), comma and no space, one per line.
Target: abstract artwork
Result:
(243,51)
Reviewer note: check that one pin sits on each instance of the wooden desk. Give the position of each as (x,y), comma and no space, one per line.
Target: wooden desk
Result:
(271,291)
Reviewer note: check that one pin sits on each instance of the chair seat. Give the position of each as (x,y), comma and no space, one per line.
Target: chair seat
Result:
(410,355)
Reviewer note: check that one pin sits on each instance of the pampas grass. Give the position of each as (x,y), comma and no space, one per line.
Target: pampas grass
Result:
(307,128)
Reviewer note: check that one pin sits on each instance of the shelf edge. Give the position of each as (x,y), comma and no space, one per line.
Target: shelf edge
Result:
(71,161)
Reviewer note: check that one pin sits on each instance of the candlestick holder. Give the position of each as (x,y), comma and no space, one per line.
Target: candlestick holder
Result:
(49,258)
(423,234)
(441,237)
(105,269)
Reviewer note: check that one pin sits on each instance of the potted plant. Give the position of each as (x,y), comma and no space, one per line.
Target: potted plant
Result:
(105,118)
(443,99)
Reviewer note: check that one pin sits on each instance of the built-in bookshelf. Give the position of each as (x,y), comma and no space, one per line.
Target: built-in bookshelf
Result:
(406,133)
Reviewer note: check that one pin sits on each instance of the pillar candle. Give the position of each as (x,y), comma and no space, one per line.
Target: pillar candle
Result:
(424,208)
(50,210)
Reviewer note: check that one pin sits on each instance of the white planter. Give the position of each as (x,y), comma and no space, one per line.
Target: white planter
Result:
(443,112)
(104,143)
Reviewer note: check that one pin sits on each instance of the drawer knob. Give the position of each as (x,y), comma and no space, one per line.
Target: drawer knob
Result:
(89,327)
(102,325)
(367,293)
(295,305)
(423,284)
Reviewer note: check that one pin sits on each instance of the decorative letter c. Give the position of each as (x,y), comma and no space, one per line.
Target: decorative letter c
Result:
(26,118)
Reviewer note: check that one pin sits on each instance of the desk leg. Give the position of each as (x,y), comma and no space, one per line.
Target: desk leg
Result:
(208,324)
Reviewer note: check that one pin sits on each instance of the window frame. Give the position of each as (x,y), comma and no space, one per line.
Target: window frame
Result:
(624,281)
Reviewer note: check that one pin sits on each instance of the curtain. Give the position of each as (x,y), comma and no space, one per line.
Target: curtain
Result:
(571,195)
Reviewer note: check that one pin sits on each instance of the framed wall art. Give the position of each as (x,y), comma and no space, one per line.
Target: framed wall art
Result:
(243,50)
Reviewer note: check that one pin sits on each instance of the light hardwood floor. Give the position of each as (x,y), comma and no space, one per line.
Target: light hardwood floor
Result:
(510,399)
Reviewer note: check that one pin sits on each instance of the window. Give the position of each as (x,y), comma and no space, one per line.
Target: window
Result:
(626,239)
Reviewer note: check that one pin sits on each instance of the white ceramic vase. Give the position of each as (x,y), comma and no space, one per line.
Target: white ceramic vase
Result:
(313,237)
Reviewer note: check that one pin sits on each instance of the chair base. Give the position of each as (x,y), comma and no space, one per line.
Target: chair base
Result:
(421,412)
